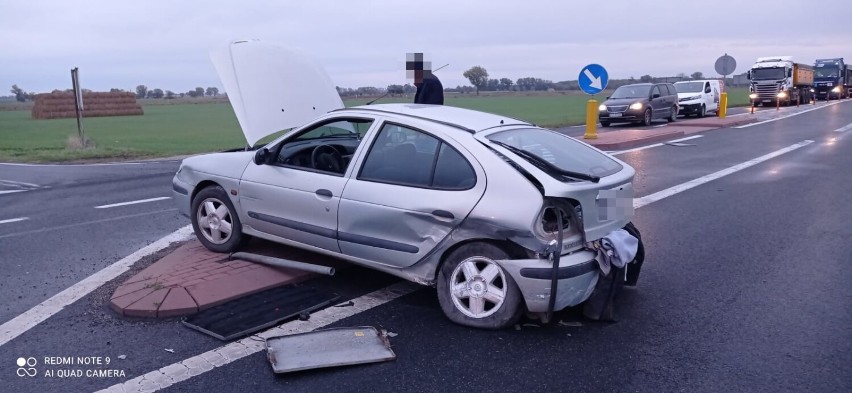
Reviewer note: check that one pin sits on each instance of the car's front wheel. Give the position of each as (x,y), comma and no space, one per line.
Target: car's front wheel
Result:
(215,220)
(702,111)
(646,118)
(473,290)
(604,124)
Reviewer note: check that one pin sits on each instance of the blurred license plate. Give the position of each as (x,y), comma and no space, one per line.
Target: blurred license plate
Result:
(767,100)
(615,115)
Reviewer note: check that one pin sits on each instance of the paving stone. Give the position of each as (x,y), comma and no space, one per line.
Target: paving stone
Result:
(177,303)
(211,293)
(119,304)
(130,287)
(147,306)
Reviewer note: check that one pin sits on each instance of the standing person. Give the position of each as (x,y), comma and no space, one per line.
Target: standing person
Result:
(429,88)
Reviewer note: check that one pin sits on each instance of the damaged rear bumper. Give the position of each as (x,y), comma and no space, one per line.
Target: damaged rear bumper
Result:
(577,275)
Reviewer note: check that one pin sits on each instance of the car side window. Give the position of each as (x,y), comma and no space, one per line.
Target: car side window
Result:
(655,90)
(706,87)
(326,147)
(408,157)
(672,90)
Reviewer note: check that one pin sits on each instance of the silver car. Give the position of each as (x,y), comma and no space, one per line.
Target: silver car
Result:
(480,205)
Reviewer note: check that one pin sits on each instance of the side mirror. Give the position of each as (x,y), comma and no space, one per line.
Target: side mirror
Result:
(262,156)
(707,90)
(748,74)
(655,95)
(607,97)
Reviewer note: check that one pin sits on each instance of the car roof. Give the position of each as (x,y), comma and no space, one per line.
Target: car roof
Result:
(466,119)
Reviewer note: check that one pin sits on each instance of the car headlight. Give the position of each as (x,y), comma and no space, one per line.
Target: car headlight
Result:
(752,96)
(694,98)
(636,106)
(602,108)
(782,94)
(812,90)
(836,89)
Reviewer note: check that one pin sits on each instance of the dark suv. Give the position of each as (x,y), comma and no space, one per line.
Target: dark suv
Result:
(641,103)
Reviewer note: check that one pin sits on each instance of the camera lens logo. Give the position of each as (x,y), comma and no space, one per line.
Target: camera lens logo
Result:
(26,367)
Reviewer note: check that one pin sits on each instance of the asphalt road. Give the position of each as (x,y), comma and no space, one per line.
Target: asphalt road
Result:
(745,286)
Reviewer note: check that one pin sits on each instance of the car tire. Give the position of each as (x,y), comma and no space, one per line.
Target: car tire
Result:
(647,117)
(604,124)
(702,111)
(673,115)
(489,283)
(215,221)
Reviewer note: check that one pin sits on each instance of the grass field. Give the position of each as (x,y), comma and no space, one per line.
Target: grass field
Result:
(184,128)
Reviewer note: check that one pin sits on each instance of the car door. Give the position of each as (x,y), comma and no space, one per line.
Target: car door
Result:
(294,196)
(712,92)
(658,103)
(412,188)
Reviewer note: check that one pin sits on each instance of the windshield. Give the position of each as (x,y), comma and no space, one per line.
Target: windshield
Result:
(559,150)
(826,72)
(689,87)
(634,91)
(767,73)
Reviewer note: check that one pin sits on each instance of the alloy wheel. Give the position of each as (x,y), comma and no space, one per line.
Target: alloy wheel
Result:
(478,287)
(215,220)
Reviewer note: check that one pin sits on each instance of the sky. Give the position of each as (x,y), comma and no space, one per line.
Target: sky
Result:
(165,44)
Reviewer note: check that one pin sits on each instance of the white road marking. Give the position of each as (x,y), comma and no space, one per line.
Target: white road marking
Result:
(661,125)
(197,365)
(18,183)
(11,191)
(132,202)
(11,220)
(655,145)
(78,224)
(32,317)
(790,115)
(649,199)
(844,128)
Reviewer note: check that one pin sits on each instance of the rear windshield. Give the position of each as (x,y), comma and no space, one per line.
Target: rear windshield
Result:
(633,91)
(559,150)
(689,87)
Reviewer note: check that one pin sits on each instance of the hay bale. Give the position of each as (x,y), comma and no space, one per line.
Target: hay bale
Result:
(95,104)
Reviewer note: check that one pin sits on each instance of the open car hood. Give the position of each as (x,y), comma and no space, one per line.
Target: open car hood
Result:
(273,88)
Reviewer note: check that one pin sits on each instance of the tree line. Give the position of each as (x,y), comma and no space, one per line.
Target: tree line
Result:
(142,91)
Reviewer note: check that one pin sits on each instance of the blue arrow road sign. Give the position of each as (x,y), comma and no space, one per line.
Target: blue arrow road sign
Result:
(593,78)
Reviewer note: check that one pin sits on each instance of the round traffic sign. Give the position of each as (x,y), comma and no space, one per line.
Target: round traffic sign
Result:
(593,79)
(725,65)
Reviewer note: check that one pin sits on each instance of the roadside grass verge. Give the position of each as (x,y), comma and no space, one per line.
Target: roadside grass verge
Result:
(207,126)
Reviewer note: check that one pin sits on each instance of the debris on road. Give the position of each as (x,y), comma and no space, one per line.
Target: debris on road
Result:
(572,324)
(122,357)
(347,304)
(169,350)
(530,325)
(328,348)
(249,314)
(678,144)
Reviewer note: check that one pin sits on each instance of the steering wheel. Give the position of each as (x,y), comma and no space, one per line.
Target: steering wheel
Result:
(326,158)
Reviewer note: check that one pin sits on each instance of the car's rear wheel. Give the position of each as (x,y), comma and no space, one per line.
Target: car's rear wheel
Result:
(673,115)
(646,117)
(215,220)
(473,290)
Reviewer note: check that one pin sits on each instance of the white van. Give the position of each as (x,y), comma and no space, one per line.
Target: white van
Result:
(698,97)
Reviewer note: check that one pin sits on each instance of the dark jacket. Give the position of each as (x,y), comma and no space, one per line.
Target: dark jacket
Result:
(430,91)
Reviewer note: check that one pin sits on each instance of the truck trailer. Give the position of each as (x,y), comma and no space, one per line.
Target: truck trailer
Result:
(832,79)
(780,80)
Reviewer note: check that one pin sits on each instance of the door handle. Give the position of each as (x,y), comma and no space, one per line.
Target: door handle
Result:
(324,192)
(443,213)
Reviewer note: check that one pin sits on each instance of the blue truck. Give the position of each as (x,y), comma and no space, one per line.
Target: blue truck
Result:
(832,79)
